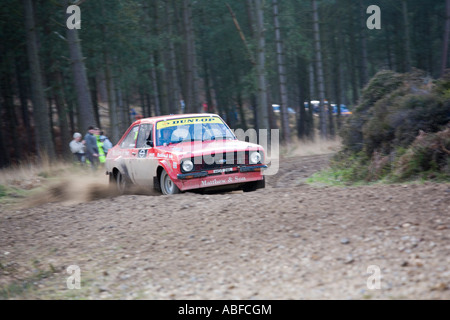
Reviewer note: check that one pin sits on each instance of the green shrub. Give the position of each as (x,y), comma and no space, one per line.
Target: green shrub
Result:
(2,191)
(398,130)
(381,85)
(427,156)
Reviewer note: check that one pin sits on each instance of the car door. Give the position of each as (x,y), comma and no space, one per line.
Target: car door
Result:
(145,163)
(128,145)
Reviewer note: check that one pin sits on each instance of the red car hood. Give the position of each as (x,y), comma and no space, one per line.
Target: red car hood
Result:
(198,148)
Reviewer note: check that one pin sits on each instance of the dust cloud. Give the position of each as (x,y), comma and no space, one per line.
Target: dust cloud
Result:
(81,188)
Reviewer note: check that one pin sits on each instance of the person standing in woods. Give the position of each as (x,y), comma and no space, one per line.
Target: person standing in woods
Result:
(101,152)
(91,147)
(107,144)
(77,147)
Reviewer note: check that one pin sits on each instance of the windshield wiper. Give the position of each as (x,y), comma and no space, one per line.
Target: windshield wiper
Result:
(175,142)
(217,138)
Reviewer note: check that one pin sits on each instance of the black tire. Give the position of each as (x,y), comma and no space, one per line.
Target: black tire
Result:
(254,185)
(167,185)
(122,183)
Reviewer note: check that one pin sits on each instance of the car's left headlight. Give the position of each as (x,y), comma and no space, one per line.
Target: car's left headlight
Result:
(187,165)
(255,157)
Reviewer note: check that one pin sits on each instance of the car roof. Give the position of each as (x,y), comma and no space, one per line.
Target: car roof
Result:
(174,116)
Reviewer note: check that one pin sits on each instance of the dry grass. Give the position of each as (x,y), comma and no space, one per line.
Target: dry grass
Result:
(30,175)
(30,184)
(301,148)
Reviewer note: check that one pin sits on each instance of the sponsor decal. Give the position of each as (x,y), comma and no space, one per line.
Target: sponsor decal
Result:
(239,179)
(216,182)
(184,121)
(224,170)
(174,165)
(121,153)
(142,153)
(162,155)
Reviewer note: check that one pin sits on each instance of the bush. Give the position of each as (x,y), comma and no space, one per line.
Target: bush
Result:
(2,191)
(427,157)
(381,85)
(400,118)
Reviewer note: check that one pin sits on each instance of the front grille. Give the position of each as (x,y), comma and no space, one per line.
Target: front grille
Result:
(220,160)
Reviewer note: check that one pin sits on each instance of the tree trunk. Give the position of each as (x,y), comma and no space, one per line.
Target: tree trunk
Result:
(407,36)
(154,84)
(124,117)
(301,111)
(4,156)
(271,115)
(350,58)
(446,38)
(94,94)
(286,134)
(22,89)
(160,65)
(249,6)
(11,123)
(114,133)
(389,58)
(364,77)
(62,114)
(68,95)
(190,72)
(85,109)
(241,110)
(263,118)
(149,105)
(337,72)
(174,88)
(43,134)
(319,67)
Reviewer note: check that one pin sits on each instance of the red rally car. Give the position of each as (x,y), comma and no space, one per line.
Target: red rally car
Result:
(184,152)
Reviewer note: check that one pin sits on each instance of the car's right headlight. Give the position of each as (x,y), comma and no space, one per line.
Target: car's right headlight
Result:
(187,165)
(255,157)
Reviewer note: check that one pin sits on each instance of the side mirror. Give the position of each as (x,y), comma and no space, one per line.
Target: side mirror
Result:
(150,143)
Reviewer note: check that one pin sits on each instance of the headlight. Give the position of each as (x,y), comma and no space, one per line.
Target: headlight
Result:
(187,165)
(255,157)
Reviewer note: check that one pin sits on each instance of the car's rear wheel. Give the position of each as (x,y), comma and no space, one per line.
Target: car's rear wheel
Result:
(122,183)
(167,185)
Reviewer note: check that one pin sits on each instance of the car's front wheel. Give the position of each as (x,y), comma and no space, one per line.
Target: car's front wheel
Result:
(254,185)
(167,185)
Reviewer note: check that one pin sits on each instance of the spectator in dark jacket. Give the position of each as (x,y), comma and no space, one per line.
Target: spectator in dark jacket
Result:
(91,147)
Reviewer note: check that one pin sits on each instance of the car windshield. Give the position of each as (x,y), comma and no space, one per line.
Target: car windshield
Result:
(192,129)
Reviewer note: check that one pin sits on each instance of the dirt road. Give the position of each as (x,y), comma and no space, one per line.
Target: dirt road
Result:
(288,241)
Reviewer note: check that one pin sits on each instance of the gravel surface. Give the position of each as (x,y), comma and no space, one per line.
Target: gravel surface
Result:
(288,241)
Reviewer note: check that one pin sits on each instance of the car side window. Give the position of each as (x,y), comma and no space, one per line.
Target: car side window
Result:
(145,133)
(130,139)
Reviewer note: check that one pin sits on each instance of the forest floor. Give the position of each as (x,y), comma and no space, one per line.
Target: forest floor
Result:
(291,240)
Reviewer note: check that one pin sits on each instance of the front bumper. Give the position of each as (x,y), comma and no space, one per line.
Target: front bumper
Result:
(202,174)
(220,180)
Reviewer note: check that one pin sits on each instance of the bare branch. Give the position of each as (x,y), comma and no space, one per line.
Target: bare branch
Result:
(236,23)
